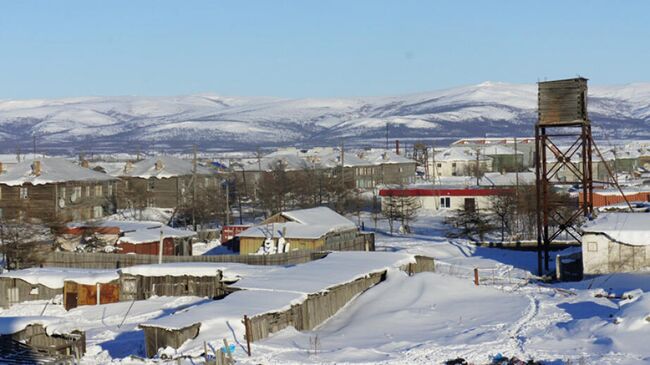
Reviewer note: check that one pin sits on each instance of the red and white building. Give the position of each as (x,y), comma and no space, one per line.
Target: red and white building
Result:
(435,198)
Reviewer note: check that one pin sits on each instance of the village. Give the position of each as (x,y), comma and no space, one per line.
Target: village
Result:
(331,254)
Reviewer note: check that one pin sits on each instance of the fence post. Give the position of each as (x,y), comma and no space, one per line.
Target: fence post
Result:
(247,326)
(476,282)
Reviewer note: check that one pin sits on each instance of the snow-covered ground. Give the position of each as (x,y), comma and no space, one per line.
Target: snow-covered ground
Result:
(424,319)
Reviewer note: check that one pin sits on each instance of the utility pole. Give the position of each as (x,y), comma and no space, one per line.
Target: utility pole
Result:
(342,165)
(386,136)
(227,202)
(478,167)
(194,188)
(34,145)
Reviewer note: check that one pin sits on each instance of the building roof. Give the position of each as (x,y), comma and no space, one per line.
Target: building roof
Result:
(162,167)
(499,150)
(494,140)
(52,170)
(137,231)
(628,228)
(310,223)
(380,156)
(459,154)
(54,277)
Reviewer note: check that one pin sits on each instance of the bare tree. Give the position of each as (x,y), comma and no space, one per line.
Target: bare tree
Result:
(504,208)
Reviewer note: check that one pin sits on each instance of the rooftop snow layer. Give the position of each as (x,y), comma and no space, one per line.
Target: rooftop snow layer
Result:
(304,223)
(629,228)
(11,325)
(53,277)
(53,170)
(162,167)
(231,271)
(141,231)
(335,269)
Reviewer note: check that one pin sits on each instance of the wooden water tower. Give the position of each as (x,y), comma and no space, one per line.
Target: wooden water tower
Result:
(562,116)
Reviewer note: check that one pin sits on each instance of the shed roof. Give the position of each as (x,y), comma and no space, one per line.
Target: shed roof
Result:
(310,223)
(137,231)
(459,154)
(54,277)
(628,228)
(52,170)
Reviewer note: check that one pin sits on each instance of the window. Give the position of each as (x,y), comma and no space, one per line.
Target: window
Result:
(152,184)
(1,213)
(592,247)
(445,202)
(98,212)
(109,189)
(439,165)
(150,202)
(62,192)
(206,182)
(23,193)
(88,190)
(76,194)
(98,190)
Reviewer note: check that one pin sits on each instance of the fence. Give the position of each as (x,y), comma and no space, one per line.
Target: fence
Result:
(116,261)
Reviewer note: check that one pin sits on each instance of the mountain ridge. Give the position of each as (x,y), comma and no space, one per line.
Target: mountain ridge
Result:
(175,123)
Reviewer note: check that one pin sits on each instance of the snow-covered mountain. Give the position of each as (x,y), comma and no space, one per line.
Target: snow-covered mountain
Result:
(215,122)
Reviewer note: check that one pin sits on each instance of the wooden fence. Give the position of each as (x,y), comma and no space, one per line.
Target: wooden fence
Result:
(116,261)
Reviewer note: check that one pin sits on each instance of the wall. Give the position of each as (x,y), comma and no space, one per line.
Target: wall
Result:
(24,291)
(75,295)
(600,255)
(138,287)
(345,241)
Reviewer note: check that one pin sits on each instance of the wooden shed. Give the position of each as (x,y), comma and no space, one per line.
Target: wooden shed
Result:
(76,294)
(33,345)
(303,229)
(14,290)
(200,279)
(616,242)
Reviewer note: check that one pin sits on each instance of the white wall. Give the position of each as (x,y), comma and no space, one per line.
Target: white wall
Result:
(600,255)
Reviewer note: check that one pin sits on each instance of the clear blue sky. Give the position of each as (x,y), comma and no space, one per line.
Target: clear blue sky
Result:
(312,48)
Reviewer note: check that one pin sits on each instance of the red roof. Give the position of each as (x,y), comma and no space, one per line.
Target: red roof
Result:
(445,192)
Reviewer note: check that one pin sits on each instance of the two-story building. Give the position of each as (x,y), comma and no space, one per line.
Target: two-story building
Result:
(51,189)
(163,182)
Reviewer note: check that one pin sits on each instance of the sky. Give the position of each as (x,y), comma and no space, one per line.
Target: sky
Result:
(54,49)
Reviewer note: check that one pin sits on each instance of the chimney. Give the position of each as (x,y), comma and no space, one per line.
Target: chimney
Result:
(159,165)
(128,166)
(397,146)
(36,168)
(84,163)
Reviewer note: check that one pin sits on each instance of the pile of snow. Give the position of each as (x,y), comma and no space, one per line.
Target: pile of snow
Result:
(160,215)
(54,277)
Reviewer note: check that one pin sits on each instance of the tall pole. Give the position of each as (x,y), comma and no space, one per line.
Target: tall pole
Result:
(227,202)
(342,165)
(478,173)
(194,188)
(160,247)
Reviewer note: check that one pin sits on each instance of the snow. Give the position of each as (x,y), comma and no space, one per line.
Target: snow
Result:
(139,231)
(54,277)
(629,228)
(163,166)
(231,271)
(304,223)
(11,325)
(53,170)
(335,269)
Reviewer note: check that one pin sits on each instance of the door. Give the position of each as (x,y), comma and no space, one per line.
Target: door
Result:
(470,205)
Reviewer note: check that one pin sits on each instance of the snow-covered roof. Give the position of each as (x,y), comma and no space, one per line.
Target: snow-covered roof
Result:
(52,170)
(459,154)
(310,223)
(507,179)
(380,156)
(230,271)
(319,275)
(53,277)
(495,150)
(161,167)
(138,231)
(276,291)
(11,325)
(628,228)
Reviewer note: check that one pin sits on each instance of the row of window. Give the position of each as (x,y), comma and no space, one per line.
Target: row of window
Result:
(75,194)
